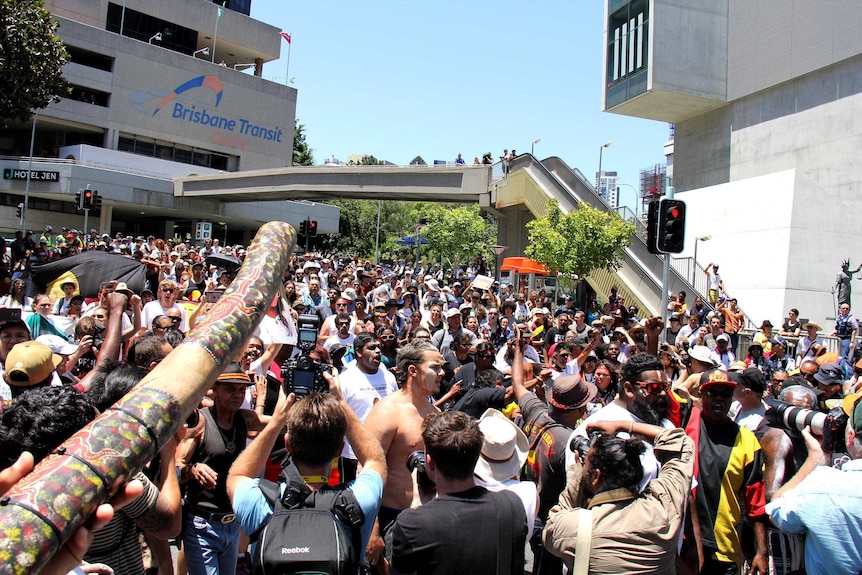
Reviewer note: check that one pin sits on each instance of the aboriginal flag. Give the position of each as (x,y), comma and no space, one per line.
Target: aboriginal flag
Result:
(88,270)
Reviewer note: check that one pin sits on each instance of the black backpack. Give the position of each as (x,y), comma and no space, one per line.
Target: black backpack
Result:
(308,531)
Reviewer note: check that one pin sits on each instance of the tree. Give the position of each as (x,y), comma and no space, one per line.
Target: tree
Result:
(302,154)
(459,233)
(417,161)
(576,243)
(32,57)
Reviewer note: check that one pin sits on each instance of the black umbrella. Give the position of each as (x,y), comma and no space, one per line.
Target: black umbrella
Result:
(225,261)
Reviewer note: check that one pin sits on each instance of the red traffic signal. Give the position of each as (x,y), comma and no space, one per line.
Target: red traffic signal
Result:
(312,228)
(670,236)
(87,200)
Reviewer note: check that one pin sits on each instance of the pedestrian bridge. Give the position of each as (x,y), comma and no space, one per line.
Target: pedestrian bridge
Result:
(515,199)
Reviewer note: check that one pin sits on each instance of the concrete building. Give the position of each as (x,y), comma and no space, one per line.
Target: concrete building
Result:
(608,189)
(165,98)
(765,98)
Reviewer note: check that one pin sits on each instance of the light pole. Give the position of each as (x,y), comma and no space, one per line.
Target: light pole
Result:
(205,51)
(694,259)
(498,251)
(533,145)
(599,173)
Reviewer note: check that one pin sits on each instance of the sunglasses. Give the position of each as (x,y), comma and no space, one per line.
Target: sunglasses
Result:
(386,337)
(653,387)
(167,290)
(176,319)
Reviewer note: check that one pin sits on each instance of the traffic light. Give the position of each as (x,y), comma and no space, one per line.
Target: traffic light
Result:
(671,226)
(78,205)
(20,210)
(312,228)
(97,200)
(652,227)
(87,200)
(303,228)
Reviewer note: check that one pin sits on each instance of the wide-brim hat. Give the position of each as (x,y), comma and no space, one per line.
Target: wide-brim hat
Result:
(504,448)
(811,324)
(571,392)
(432,285)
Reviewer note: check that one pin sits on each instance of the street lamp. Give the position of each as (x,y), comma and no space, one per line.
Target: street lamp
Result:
(533,145)
(157,36)
(694,259)
(205,51)
(498,251)
(599,174)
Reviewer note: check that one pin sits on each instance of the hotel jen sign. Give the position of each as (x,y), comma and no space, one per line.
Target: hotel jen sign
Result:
(37,175)
(196,102)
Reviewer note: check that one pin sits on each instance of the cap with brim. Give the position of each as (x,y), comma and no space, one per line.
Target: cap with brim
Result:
(702,354)
(715,377)
(504,448)
(753,379)
(392,302)
(571,392)
(452,313)
(432,285)
(57,344)
(234,378)
(811,324)
(737,365)
(68,282)
(723,337)
(596,323)
(798,380)
(829,374)
(580,340)
(30,363)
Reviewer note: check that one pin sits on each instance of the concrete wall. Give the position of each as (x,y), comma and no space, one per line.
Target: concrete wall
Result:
(693,62)
(773,41)
(144,74)
(774,250)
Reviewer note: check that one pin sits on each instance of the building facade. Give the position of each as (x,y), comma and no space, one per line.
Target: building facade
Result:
(765,98)
(160,89)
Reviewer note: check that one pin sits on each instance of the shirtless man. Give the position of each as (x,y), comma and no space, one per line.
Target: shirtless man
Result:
(396,421)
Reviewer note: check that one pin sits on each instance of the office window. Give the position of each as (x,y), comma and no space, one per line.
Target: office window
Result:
(628,40)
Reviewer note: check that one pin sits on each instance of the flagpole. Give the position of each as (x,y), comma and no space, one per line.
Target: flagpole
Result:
(287,71)
(215,35)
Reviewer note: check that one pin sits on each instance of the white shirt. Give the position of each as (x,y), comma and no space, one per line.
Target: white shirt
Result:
(361,391)
(155,309)
(334,339)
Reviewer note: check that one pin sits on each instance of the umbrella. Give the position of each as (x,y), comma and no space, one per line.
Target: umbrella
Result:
(225,261)
(411,241)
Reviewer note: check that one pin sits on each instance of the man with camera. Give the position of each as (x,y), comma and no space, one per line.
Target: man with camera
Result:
(825,504)
(442,536)
(629,530)
(317,425)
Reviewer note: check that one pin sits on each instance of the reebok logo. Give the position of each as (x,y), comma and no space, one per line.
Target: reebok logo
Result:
(294,550)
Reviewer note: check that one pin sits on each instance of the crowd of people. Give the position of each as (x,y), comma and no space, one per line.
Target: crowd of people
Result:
(468,418)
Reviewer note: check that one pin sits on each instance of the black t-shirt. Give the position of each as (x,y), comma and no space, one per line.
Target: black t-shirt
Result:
(546,462)
(476,401)
(459,533)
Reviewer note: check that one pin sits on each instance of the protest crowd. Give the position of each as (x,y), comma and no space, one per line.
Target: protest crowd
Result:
(444,422)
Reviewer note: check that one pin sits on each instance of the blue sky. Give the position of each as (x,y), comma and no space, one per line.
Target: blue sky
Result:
(398,79)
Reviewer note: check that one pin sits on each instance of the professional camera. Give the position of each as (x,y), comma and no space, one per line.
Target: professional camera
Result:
(581,444)
(416,460)
(829,426)
(303,375)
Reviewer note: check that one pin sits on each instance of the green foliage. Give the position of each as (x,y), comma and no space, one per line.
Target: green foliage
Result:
(460,233)
(578,242)
(369,160)
(31,59)
(417,161)
(302,154)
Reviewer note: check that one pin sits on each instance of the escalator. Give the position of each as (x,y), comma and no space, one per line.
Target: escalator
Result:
(639,278)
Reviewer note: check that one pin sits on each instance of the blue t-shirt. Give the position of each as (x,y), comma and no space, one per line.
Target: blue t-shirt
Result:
(253,510)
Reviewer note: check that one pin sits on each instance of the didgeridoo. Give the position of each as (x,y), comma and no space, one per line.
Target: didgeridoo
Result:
(42,510)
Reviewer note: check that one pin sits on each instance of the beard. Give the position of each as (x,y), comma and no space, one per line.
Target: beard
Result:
(644,411)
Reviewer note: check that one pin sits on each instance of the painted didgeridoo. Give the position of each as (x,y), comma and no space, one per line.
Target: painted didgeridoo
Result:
(42,510)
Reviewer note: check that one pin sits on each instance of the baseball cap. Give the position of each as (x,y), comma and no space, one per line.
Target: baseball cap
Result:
(715,377)
(571,392)
(702,354)
(753,379)
(452,312)
(829,374)
(30,363)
